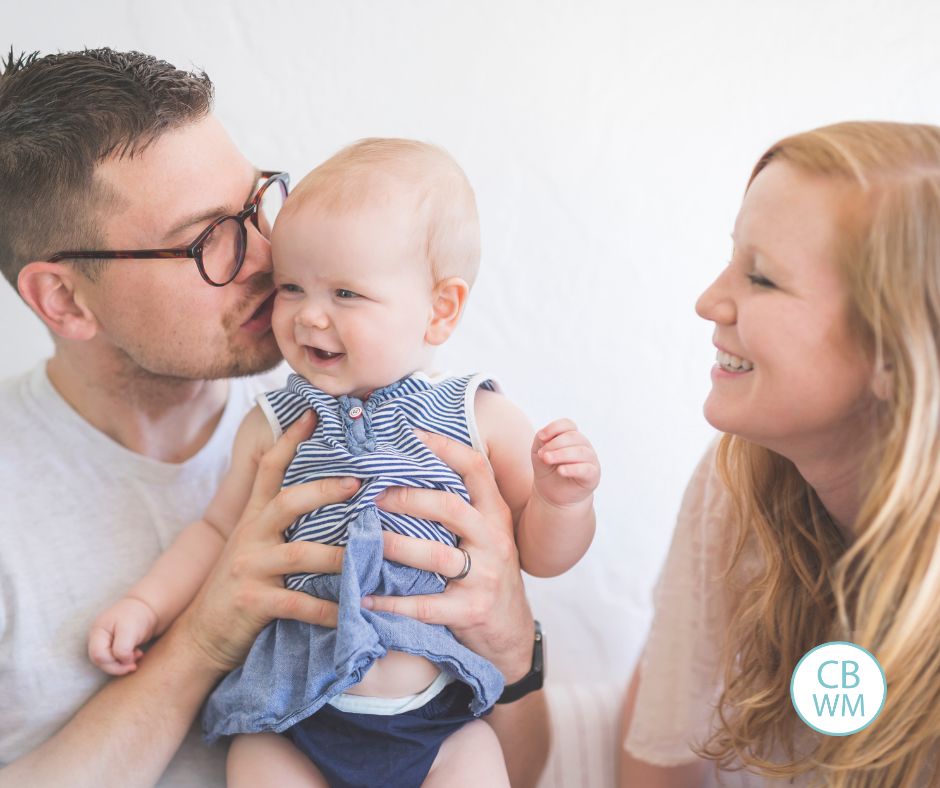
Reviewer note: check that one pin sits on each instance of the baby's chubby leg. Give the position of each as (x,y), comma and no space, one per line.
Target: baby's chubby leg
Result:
(258,760)
(470,757)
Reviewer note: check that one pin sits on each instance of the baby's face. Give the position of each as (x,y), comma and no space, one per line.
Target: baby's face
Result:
(354,296)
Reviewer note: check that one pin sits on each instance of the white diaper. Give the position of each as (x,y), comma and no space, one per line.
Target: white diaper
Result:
(363,704)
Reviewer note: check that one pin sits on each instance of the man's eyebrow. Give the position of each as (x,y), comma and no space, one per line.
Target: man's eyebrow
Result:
(202,218)
(209,215)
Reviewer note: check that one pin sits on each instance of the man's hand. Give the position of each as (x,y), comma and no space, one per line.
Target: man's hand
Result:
(246,588)
(487,610)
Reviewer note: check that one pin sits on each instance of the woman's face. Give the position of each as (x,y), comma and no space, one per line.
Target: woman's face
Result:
(789,375)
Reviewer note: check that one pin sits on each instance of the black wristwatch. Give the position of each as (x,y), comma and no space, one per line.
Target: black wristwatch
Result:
(532,680)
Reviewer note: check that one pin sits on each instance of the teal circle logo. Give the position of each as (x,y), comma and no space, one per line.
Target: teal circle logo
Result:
(838,688)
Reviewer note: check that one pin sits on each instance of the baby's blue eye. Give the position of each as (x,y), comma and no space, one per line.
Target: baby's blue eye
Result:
(346,294)
(289,288)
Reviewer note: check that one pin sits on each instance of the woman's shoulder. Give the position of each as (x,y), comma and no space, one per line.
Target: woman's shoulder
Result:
(706,509)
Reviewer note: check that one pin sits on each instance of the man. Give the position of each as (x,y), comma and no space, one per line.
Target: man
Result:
(118,441)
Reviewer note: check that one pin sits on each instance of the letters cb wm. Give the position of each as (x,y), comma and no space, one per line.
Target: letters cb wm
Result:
(838,688)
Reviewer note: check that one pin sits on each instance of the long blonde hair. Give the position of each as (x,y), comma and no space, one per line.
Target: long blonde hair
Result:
(882,591)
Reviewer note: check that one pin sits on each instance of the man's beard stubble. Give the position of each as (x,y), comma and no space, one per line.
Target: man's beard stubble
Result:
(252,355)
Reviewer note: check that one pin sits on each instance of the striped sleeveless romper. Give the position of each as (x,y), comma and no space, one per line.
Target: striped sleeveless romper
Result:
(294,668)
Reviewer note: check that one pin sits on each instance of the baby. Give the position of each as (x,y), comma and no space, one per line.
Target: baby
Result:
(374,255)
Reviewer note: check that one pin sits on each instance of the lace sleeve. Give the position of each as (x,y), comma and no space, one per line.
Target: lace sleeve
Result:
(679,671)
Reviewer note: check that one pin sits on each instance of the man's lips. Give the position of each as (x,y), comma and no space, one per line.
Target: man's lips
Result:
(260,319)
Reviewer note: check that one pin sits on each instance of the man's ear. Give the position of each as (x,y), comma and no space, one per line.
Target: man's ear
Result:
(49,290)
(448,300)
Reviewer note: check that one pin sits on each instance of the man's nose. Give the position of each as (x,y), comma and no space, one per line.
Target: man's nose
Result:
(257,254)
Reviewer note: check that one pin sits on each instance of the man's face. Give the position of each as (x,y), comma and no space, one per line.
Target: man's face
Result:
(159,317)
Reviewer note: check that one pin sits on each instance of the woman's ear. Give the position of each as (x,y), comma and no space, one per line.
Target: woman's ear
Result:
(448,299)
(882,381)
(49,290)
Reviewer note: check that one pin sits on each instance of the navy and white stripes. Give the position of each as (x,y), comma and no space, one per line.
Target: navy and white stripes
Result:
(374,440)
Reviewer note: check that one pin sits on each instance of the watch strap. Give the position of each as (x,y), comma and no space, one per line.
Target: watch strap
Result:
(531,681)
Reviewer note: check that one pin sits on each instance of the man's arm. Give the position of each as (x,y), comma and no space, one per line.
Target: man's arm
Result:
(127,733)
(487,610)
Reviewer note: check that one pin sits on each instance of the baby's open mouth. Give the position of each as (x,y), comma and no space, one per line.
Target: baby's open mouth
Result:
(325,355)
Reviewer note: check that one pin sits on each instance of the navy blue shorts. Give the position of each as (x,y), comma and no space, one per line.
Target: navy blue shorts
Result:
(393,751)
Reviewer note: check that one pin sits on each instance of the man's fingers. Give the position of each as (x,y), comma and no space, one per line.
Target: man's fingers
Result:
(300,606)
(449,509)
(291,502)
(275,460)
(471,466)
(431,608)
(423,554)
(299,557)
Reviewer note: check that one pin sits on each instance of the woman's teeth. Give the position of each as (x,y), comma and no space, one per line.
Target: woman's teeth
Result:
(732,363)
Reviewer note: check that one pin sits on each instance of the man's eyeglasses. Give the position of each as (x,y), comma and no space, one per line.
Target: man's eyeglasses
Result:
(219,250)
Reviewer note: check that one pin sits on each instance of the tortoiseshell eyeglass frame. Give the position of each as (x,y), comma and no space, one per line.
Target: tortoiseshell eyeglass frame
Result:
(193,250)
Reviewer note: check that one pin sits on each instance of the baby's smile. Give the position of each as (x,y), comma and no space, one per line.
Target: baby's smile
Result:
(320,355)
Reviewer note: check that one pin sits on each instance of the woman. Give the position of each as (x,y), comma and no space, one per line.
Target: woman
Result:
(817,517)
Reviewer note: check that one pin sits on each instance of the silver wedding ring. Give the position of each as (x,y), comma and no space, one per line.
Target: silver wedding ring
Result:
(466,566)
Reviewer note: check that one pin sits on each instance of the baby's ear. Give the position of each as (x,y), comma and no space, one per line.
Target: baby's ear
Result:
(51,291)
(447,302)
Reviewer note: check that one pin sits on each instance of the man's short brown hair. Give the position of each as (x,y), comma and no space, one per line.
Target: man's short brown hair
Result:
(62,114)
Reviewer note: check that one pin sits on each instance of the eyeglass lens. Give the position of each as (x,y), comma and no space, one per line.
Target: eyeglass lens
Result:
(224,249)
(270,202)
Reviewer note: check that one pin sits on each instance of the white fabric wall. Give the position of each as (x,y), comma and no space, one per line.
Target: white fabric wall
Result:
(609,143)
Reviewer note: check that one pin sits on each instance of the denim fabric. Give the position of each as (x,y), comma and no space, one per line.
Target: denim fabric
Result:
(368,750)
(293,669)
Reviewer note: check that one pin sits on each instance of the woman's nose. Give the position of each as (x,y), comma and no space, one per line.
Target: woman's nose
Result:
(717,302)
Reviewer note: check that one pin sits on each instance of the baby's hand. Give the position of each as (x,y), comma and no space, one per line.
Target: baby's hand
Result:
(565,464)
(115,637)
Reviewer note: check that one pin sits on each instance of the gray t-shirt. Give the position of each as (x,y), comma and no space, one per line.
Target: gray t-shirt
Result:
(81,520)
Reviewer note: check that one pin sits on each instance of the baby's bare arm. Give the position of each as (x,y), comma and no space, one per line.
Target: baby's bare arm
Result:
(177,575)
(552,506)
(163,593)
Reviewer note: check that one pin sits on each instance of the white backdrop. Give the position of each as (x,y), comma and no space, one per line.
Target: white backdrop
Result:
(609,144)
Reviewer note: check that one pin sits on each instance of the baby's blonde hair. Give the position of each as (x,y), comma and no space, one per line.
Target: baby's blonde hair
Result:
(381,169)
(883,590)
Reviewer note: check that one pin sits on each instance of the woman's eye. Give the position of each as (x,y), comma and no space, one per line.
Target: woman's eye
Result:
(346,294)
(760,281)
